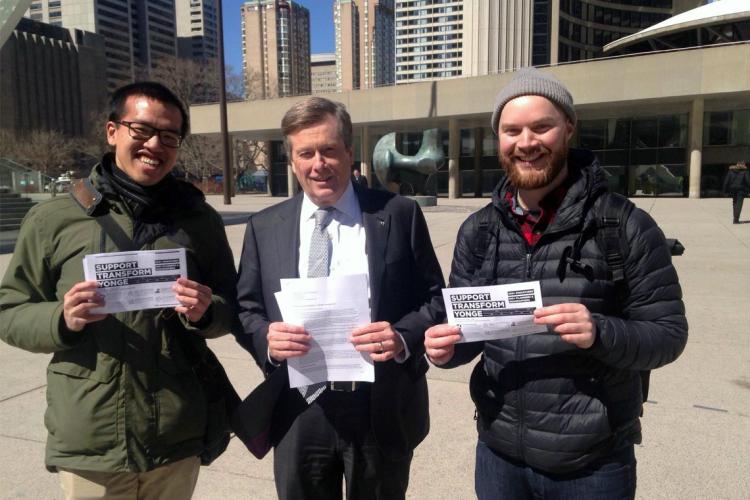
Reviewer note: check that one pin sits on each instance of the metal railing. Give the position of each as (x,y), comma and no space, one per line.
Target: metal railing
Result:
(17,178)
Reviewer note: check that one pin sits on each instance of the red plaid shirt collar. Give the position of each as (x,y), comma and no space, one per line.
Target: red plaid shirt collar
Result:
(534,223)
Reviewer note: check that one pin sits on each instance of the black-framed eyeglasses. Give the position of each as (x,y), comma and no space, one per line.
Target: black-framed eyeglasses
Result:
(143,132)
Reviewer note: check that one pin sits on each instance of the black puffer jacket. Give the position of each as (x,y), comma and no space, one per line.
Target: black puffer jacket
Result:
(540,400)
(737,181)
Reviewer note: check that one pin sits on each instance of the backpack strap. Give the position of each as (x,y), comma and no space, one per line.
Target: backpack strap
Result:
(88,198)
(481,238)
(612,211)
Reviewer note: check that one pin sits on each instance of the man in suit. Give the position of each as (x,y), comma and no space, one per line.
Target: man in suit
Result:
(364,432)
(358,178)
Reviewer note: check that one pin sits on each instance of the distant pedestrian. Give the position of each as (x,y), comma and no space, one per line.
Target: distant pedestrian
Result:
(359,179)
(737,184)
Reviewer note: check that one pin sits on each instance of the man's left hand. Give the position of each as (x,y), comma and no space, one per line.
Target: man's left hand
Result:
(572,321)
(379,340)
(195,299)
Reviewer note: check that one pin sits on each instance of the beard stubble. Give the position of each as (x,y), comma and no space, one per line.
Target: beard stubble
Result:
(529,179)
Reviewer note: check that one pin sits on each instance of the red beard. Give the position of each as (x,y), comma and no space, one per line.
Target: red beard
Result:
(529,179)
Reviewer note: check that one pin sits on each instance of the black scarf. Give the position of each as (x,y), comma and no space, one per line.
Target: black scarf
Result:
(149,205)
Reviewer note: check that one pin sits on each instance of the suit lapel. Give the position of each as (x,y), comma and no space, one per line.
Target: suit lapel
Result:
(377,226)
(287,239)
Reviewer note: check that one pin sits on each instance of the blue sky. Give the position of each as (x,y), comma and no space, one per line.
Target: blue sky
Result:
(321,29)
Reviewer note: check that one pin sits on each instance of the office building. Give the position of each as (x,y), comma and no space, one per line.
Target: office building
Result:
(365,49)
(498,36)
(574,30)
(137,33)
(275,48)
(445,38)
(429,39)
(197,30)
(51,79)
(154,33)
(323,73)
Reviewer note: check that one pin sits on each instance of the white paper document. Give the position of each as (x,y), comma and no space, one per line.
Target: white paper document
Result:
(329,309)
(131,281)
(494,312)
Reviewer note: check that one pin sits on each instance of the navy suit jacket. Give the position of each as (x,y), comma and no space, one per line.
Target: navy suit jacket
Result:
(405,290)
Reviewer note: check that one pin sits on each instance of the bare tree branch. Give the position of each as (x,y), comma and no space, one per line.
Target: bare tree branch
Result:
(48,151)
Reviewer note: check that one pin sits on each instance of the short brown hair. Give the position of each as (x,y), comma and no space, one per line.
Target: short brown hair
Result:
(312,111)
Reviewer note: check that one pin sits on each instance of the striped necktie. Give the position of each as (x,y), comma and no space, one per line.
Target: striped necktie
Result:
(318,265)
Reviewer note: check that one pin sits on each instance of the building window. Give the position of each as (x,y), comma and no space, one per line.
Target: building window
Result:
(727,128)
(642,156)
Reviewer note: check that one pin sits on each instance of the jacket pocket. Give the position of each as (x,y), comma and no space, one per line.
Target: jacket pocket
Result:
(82,394)
(180,405)
(487,397)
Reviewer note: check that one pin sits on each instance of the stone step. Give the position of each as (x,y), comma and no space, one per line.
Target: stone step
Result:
(15,201)
(14,210)
(4,195)
(10,225)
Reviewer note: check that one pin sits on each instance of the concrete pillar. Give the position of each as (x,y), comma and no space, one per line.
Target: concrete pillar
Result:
(266,157)
(478,140)
(454,176)
(291,181)
(554,34)
(696,147)
(365,154)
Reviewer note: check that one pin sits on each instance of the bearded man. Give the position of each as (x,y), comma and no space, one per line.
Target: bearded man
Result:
(558,412)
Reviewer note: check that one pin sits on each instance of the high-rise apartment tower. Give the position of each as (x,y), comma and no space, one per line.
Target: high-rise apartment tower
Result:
(275,48)
(429,39)
(365,51)
(197,30)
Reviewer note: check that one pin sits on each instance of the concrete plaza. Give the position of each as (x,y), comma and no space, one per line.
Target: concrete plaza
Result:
(696,423)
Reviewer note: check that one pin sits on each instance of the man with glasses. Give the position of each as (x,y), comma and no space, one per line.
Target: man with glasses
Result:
(126,413)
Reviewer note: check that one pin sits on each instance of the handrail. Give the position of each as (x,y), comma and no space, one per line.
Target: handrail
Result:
(19,168)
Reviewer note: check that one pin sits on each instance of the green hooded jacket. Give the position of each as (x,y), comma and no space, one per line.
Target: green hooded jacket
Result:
(121,394)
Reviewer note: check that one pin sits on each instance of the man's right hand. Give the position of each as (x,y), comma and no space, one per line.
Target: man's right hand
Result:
(77,305)
(439,342)
(287,341)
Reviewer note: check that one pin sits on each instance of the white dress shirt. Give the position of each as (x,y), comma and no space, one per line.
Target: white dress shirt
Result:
(348,242)
(346,232)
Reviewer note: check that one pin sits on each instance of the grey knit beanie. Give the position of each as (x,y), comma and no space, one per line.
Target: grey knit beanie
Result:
(531,81)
